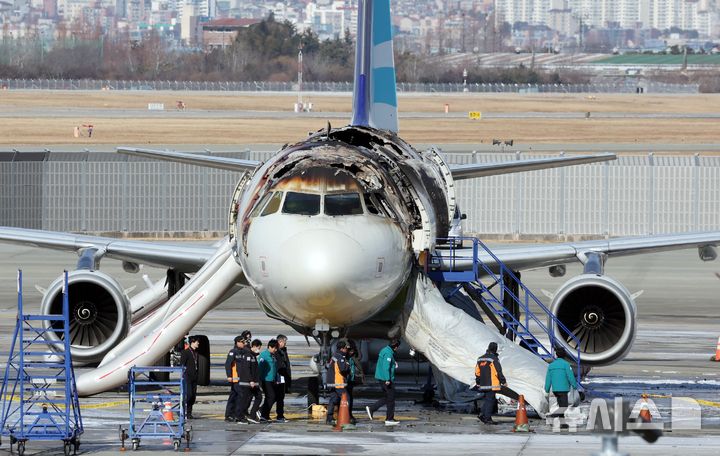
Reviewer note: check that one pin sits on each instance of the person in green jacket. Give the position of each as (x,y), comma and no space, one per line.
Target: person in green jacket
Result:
(268,375)
(560,378)
(385,373)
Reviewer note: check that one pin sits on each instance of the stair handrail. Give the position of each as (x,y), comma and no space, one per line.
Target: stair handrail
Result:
(476,243)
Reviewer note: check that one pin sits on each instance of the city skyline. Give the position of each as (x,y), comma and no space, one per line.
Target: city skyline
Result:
(423,25)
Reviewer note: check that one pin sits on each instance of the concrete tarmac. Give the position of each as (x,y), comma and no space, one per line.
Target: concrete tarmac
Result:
(677,332)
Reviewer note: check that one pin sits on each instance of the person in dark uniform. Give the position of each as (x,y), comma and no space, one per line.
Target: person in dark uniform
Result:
(489,379)
(284,377)
(336,378)
(233,377)
(249,383)
(353,377)
(189,360)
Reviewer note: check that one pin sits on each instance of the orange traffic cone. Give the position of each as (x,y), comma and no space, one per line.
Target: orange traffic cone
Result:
(717,352)
(343,418)
(167,412)
(645,414)
(521,419)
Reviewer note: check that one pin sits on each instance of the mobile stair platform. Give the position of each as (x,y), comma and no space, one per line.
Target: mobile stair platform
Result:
(39,395)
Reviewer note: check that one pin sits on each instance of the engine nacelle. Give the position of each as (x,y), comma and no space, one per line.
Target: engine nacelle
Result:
(98,313)
(601,313)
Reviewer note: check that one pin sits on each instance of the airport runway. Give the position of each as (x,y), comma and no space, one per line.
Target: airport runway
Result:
(677,332)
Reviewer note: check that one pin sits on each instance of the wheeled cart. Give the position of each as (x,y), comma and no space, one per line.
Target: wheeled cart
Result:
(39,395)
(159,413)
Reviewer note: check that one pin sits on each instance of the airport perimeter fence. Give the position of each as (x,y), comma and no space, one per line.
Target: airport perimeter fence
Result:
(105,192)
(628,86)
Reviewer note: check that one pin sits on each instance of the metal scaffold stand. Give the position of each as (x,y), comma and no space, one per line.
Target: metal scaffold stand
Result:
(159,414)
(39,395)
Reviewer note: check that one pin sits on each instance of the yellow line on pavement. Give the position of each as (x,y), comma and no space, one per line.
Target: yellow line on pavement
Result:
(699,401)
(104,405)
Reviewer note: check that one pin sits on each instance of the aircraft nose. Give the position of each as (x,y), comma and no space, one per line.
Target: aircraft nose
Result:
(320,258)
(319,273)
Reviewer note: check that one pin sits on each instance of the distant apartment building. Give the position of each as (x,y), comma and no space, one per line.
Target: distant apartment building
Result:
(331,19)
(565,15)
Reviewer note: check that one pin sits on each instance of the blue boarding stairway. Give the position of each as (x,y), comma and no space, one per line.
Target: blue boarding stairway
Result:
(39,395)
(508,303)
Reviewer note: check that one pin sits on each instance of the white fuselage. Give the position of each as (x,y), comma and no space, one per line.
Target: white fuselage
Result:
(317,251)
(337,269)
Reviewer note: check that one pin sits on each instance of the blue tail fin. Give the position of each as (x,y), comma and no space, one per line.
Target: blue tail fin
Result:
(374,93)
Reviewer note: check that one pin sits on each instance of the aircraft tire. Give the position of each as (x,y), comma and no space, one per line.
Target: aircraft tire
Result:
(203,361)
(161,376)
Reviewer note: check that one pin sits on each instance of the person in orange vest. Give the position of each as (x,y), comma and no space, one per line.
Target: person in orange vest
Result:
(233,377)
(336,378)
(489,379)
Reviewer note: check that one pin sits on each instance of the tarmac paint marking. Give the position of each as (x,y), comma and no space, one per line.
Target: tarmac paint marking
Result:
(699,401)
(104,405)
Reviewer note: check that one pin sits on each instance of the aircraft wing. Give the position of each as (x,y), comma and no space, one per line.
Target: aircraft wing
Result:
(183,257)
(460,172)
(544,255)
(209,161)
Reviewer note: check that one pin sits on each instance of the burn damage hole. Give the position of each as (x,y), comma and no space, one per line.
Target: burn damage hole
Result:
(595,316)
(93,314)
(355,137)
(352,169)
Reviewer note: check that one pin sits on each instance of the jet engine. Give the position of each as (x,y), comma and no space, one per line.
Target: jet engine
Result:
(601,313)
(98,313)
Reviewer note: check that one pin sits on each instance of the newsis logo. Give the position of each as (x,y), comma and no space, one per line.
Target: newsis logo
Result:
(642,415)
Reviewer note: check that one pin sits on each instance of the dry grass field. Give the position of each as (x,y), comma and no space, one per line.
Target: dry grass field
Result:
(260,101)
(265,131)
(39,128)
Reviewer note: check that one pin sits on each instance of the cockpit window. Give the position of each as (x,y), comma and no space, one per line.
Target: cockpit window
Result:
(301,203)
(343,204)
(260,204)
(372,205)
(274,204)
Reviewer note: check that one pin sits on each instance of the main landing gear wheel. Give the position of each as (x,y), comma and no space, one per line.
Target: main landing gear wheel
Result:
(67,448)
(176,445)
(21,448)
(135,445)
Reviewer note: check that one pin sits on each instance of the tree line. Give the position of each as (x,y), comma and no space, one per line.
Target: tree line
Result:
(266,51)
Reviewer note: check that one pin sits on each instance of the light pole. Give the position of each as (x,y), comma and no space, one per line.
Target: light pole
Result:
(300,71)
(465,89)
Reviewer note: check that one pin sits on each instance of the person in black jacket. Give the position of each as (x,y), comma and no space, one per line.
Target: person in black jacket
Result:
(249,384)
(284,377)
(189,360)
(338,370)
(233,377)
